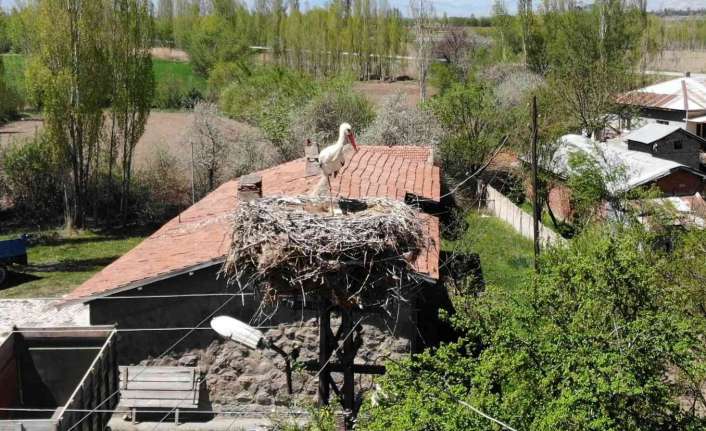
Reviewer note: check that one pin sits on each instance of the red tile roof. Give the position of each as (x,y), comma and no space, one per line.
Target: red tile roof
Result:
(199,236)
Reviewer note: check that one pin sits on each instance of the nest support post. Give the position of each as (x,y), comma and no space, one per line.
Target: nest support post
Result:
(343,346)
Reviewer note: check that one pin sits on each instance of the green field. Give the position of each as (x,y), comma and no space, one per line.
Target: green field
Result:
(506,256)
(173,75)
(183,72)
(59,262)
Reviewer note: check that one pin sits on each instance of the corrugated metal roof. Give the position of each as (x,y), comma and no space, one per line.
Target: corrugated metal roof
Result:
(640,168)
(651,132)
(668,95)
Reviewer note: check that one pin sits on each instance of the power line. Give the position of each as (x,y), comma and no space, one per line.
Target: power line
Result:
(221,412)
(160,356)
(165,329)
(478,171)
(182,295)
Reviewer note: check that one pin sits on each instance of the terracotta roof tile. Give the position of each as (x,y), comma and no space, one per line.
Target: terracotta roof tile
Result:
(200,236)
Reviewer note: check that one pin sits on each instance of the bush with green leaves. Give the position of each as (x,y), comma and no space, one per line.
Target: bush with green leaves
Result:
(598,340)
(173,92)
(10,100)
(290,107)
(473,126)
(320,119)
(215,39)
(32,179)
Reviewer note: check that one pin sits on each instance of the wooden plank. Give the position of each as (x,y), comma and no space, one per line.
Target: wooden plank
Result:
(157,395)
(157,370)
(152,404)
(157,379)
(163,386)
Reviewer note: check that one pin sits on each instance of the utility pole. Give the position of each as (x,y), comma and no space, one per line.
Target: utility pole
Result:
(536,210)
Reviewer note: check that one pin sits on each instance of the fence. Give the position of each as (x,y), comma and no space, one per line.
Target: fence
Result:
(503,208)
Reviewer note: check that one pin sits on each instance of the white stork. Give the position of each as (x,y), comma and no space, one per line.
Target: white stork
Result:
(332,158)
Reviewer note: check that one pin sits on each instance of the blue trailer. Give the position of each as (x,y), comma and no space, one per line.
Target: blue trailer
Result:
(13,251)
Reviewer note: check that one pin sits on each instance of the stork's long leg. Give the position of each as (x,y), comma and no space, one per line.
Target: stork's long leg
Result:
(330,191)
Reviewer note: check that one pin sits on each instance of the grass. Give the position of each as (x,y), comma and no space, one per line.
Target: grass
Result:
(506,256)
(179,71)
(59,262)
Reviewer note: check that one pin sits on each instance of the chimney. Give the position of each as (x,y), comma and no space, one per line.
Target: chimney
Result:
(311,152)
(688,74)
(249,188)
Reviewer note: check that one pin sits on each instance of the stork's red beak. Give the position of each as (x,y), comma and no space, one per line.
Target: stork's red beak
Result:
(351,138)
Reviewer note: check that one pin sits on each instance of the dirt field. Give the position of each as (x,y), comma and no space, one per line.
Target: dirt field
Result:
(681,61)
(164,131)
(170,54)
(378,91)
(18,129)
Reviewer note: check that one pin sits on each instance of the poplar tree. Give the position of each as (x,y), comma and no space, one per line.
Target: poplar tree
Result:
(132,83)
(70,69)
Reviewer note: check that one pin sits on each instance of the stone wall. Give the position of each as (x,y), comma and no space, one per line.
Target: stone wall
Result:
(234,375)
(237,376)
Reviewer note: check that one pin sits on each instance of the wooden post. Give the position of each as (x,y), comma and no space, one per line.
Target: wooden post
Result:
(324,328)
(348,374)
(536,210)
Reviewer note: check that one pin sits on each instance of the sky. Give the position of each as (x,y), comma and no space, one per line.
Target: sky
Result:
(483,7)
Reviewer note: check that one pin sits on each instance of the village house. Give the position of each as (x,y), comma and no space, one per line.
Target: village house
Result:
(174,277)
(670,142)
(677,102)
(635,162)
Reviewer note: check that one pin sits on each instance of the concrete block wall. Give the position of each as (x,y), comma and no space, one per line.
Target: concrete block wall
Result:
(503,208)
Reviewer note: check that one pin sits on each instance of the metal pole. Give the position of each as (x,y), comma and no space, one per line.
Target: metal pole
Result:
(287,365)
(536,213)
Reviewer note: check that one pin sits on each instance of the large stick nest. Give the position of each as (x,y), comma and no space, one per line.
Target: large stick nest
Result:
(360,256)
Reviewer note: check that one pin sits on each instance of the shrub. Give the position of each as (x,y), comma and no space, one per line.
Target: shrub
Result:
(174,92)
(10,100)
(161,191)
(32,179)
(397,123)
(255,91)
(320,118)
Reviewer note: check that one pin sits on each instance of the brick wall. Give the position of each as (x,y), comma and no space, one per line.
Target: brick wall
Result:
(560,202)
(681,183)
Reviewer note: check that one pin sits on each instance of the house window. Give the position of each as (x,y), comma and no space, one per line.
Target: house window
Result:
(662,122)
(677,145)
(701,130)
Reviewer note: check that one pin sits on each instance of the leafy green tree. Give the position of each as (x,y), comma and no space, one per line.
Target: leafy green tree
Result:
(596,341)
(133,85)
(473,126)
(71,71)
(214,39)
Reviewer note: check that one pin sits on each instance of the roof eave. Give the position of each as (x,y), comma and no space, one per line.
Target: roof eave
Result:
(146,281)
